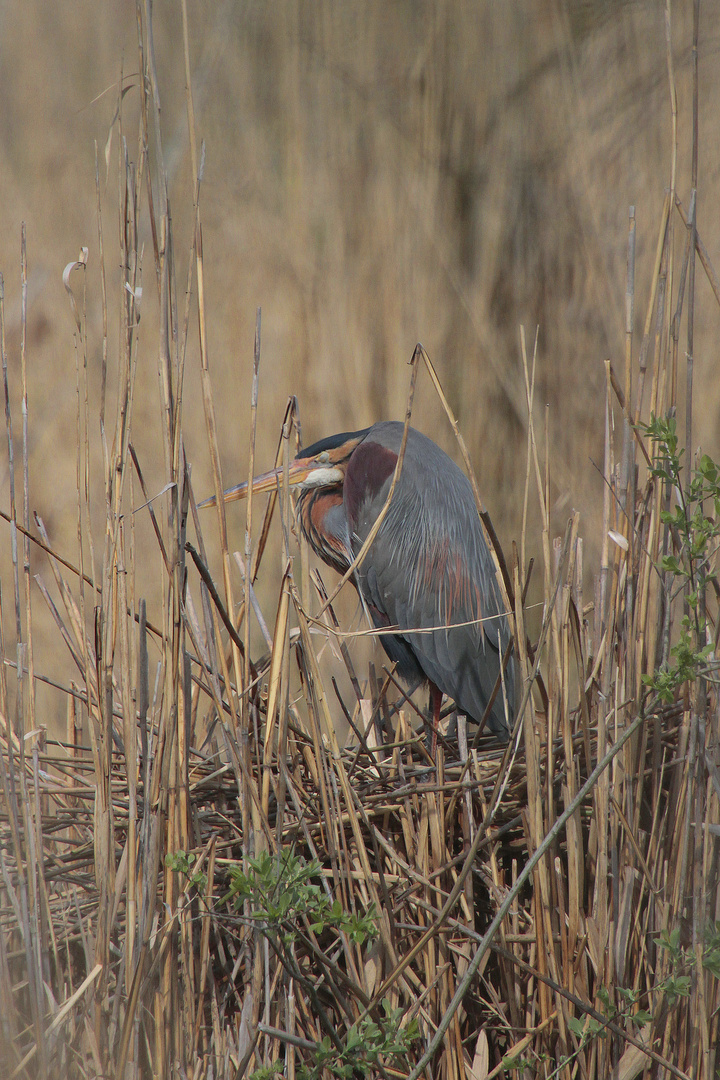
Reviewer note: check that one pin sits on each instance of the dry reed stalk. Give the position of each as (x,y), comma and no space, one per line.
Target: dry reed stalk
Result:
(25,853)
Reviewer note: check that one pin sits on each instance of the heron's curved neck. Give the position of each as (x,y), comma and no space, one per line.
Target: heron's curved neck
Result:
(321,513)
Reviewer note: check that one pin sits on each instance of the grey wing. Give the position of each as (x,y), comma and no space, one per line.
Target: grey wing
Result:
(432,571)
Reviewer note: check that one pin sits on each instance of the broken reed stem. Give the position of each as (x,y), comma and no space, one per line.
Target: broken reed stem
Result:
(25,854)
(530,451)
(629,320)
(26,480)
(702,252)
(693,237)
(248,517)
(43,927)
(658,402)
(656,278)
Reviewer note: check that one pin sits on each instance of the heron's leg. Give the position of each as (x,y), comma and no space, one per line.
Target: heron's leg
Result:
(435,703)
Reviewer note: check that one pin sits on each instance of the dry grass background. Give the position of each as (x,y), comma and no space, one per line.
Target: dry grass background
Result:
(375,175)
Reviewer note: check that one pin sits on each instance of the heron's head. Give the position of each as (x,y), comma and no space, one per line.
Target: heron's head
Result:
(320,466)
(318,472)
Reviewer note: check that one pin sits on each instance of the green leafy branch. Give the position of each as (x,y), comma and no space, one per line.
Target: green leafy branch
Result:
(694,523)
(182,863)
(282,890)
(281,894)
(675,986)
(367,1045)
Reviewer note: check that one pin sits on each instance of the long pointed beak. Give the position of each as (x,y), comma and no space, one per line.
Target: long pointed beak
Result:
(300,471)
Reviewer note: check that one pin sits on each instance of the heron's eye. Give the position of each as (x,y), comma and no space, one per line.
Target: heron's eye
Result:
(323,457)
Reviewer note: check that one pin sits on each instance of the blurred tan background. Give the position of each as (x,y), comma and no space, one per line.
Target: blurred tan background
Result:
(377,174)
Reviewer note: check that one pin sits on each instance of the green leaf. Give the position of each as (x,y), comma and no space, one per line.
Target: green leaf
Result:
(708,469)
(677,987)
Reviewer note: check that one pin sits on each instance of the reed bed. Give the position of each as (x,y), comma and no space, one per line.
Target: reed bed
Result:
(545,909)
